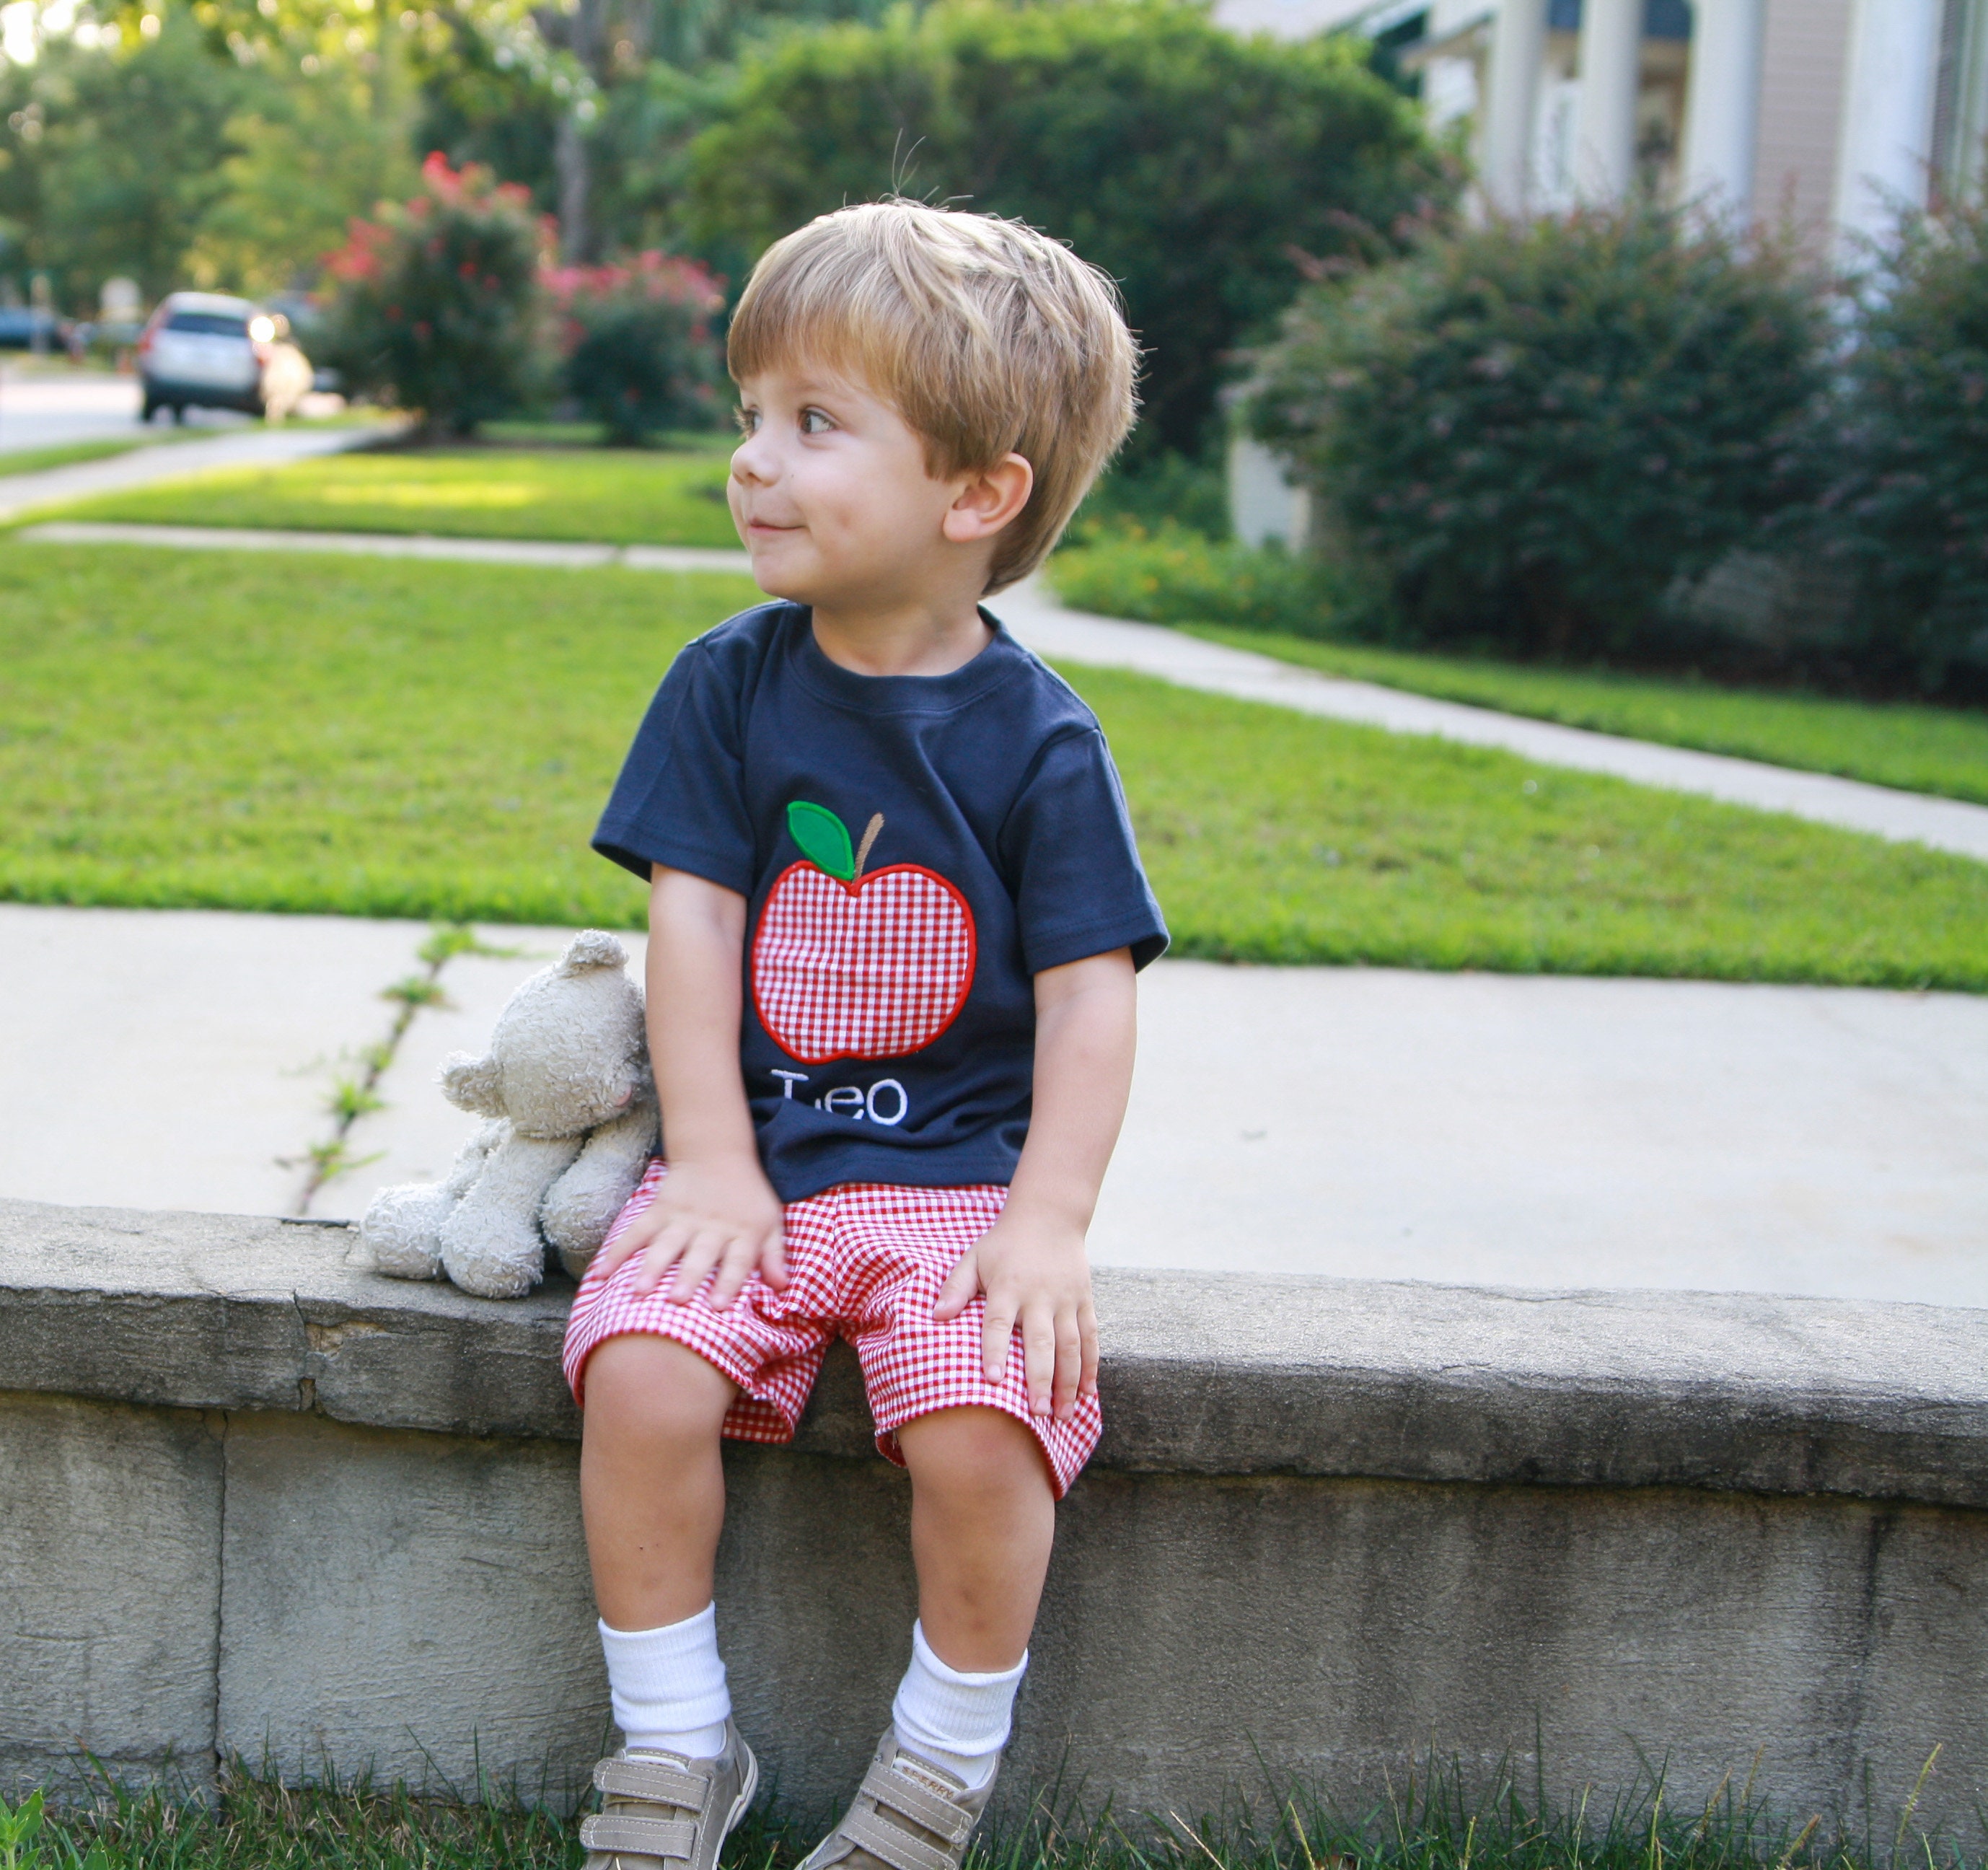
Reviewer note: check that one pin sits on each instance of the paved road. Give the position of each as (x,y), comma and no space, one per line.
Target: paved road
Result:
(1033,614)
(39,411)
(1463,1128)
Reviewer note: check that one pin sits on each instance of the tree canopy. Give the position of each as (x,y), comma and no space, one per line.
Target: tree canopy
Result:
(1204,171)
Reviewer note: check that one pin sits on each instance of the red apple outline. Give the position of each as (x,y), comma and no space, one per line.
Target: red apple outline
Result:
(853,889)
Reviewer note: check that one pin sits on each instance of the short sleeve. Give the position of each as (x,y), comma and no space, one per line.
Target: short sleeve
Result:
(680,799)
(1079,889)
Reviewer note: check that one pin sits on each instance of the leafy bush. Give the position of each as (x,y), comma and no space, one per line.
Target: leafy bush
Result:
(437,300)
(641,355)
(1532,428)
(1154,488)
(1201,169)
(1908,505)
(1172,575)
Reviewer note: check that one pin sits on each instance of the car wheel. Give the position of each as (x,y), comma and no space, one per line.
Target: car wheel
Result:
(150,408)
(179,414)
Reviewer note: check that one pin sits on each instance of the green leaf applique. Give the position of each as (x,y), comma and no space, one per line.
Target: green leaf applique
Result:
(824,839)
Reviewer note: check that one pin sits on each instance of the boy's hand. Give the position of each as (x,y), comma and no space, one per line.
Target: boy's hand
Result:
(724,1214)
(1033,1272)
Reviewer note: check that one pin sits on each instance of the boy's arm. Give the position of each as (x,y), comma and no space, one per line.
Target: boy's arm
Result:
(1031,1263)
(715,1208)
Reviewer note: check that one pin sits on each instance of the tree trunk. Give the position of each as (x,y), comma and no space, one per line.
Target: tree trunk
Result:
(569,153)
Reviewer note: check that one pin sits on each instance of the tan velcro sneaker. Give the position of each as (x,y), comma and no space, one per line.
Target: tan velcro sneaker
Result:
(907,1814)
(660,1811)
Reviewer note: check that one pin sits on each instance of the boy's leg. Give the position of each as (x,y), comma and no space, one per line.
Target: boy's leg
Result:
(652,1483)
(983,1515)
(983,1518)
(652,1493)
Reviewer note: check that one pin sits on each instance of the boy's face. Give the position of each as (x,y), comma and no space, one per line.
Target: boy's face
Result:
(829,492)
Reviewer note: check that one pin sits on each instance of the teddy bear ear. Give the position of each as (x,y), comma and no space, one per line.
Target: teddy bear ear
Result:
(473,1084)
(592,947)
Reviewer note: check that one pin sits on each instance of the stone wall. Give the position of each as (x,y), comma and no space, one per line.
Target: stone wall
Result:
(258,1501)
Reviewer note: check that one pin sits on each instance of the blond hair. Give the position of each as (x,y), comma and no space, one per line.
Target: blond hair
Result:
(987,337)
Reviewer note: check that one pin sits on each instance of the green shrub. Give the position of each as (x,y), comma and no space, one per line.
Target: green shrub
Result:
(1154,488)
(1198,168)
(436,305)
(1908,505)
(641,354)
(1532,429)
(1171,575)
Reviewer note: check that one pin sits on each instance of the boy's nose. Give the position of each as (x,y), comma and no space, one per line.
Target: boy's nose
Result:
(748,461)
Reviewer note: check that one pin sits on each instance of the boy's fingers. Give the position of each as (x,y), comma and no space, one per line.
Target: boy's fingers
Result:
(995,1333)
(634,1239)
(734,1268)
(661,1256)
(1086,1327)
(961,1284)
(1038,1356)
(772,1258)
(699,1256)
(1069,1365)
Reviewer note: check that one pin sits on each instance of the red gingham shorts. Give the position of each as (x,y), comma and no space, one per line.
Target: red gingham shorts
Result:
(865,1261)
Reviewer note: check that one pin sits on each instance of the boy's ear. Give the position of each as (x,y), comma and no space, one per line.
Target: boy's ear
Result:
(990,500)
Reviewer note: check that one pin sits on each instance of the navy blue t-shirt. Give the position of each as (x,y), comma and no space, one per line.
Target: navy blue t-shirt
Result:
(913,849)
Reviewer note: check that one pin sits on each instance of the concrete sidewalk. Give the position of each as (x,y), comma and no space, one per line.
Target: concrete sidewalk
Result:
(1031,611)
(1468,1129)
(259,447)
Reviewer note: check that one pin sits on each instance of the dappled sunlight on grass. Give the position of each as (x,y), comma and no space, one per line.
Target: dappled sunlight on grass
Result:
(617,496)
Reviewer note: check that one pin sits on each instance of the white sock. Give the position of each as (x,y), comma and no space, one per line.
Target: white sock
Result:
(958,1721)
(668,1686)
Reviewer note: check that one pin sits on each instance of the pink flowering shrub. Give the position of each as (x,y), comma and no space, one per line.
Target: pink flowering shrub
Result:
(436,300)
(640,353)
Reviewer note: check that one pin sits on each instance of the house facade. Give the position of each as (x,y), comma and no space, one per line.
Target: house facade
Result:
(1826,115)
(1829,114)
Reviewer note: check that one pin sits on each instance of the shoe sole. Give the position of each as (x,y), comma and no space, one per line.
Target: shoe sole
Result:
(744,1798)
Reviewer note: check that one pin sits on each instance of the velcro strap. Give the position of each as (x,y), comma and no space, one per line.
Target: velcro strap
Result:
(888,1786)
(651,1779)
(620,1831)
(893,1844)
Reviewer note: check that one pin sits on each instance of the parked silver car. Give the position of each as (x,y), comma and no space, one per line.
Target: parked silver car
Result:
(207,350)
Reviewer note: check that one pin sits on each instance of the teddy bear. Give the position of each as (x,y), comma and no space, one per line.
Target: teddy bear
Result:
(566,1087)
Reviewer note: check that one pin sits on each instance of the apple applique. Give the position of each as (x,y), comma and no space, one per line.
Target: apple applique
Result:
(849,966)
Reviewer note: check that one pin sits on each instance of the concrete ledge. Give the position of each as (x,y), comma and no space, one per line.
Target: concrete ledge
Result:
(1203,1373)
(257,1500)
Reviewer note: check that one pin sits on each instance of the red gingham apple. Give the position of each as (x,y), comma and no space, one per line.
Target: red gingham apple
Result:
(849,966)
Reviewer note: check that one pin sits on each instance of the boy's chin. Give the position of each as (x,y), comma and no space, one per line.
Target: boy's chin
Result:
(789,587)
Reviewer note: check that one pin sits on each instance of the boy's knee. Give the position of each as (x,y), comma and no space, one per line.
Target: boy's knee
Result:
(645,1387)
(968,1448)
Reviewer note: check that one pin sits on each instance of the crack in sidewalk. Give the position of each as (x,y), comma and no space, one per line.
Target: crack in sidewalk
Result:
(356,1095)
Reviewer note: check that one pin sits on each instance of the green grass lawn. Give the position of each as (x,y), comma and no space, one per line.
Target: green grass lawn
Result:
(385,738)
(1421,1820)
(622,496)
(1942,750)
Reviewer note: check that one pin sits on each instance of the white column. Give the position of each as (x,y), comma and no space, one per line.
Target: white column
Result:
(1885,148)
(1518,50)
(1604,118)
(1722,112)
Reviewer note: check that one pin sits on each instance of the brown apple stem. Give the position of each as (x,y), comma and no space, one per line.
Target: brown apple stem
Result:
(875,825)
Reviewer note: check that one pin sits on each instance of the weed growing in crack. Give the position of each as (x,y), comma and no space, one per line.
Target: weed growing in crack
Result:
(352,1098)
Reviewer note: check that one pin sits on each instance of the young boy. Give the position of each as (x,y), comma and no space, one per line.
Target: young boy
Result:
(895,910)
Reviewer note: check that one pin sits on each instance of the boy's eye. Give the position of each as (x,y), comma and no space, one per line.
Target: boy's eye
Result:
(816,422)
(747,419)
